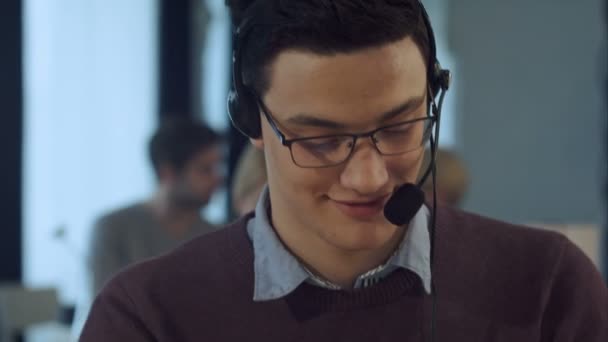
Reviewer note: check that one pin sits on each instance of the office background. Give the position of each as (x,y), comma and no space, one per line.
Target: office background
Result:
(83,84)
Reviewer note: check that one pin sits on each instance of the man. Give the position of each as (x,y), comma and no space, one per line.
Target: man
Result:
(342,96)
(186,157)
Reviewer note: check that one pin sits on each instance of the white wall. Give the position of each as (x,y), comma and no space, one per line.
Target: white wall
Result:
(532,120)
(215,76)
(90,105)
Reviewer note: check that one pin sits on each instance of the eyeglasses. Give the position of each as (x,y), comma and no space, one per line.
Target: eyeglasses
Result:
(331,150)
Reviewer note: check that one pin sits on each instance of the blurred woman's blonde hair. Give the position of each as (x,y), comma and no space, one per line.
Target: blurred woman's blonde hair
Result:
(452,177)
(249,179)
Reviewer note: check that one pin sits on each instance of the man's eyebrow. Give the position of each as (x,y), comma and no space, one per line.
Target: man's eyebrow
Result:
(312,120)
(405,107)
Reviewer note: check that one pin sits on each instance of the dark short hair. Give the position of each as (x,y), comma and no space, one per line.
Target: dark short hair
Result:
(325,27)
(178,140)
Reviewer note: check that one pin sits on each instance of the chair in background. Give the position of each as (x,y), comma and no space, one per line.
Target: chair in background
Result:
(586,236)
(21,308)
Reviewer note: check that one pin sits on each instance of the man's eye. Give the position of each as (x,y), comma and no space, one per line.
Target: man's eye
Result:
(324,145)
(398,131)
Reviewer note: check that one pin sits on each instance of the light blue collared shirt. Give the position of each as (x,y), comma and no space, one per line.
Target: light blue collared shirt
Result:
(277,272)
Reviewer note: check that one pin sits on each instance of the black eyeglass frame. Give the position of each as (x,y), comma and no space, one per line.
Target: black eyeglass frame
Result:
(432,119)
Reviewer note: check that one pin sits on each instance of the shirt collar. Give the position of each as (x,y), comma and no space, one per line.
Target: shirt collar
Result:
(277,272)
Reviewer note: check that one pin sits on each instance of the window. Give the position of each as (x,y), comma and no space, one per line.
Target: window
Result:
(90,105)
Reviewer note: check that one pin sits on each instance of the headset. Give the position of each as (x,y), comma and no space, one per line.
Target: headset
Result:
(244,112)
(243,107)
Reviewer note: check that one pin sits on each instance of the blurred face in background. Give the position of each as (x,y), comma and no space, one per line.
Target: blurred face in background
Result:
(452,177)
(200,177)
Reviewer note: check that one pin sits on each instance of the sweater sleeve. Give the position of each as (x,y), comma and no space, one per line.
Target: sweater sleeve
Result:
(114,317)
(577,302)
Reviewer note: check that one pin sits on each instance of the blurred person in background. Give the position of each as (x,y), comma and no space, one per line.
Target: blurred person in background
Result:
(186,157)
(249,180)
(452,180)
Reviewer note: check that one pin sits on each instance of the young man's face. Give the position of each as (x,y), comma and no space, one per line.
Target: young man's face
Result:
(199,179)
(341,207)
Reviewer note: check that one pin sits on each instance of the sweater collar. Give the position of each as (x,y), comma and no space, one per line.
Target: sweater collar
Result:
(278,273)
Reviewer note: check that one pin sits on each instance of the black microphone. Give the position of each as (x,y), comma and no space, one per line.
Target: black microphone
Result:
(403,204)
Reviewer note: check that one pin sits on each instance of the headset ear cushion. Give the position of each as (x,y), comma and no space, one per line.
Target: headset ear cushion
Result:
(440,79)
(445,79)
(244,114)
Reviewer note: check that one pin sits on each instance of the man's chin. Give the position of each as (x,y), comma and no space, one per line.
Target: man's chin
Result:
(193,203)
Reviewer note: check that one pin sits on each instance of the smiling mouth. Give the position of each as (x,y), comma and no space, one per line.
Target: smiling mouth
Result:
(362,209)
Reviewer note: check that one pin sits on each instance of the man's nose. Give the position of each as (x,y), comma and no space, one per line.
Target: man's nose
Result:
(365,172)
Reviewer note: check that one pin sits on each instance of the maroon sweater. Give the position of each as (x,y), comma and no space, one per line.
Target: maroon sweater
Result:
(494,282)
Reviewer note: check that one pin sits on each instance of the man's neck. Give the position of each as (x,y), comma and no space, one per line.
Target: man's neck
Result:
(177,220)
(329,262)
